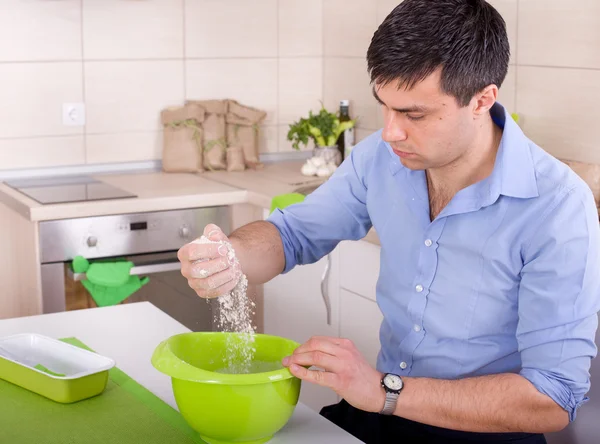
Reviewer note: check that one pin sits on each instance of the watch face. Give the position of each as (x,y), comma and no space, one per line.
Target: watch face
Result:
(393,382)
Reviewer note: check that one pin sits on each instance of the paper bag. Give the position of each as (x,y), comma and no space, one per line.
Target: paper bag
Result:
(182,139)
(243,126)
(215,143)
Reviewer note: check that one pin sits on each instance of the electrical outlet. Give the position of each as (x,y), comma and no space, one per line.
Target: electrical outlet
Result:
(73,114)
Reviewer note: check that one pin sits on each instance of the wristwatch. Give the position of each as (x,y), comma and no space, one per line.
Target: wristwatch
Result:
(392,384)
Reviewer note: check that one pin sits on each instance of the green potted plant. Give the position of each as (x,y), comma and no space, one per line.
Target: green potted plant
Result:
(323,129)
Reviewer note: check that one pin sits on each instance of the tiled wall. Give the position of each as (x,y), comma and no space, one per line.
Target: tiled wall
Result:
(553,80)
(127,59)
(349,27)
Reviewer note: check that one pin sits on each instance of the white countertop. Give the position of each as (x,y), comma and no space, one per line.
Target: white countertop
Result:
(155,191)
(129,333)
(158,191)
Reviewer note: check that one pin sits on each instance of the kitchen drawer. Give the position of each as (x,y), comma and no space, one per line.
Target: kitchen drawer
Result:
(359,267)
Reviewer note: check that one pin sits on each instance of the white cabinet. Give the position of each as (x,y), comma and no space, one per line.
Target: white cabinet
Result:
(360,319)
(360,316)
(295,305)
(359,267)
(294,308)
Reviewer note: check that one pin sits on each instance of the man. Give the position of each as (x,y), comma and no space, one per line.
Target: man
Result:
(489,283)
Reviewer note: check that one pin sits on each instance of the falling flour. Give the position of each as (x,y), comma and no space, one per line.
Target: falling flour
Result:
(234,315)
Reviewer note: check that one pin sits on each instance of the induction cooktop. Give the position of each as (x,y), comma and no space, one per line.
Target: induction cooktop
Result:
(66,189)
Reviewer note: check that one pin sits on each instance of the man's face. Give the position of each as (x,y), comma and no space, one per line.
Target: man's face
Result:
(425,127)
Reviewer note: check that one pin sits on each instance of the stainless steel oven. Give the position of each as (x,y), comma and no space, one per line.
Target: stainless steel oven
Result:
(149,240)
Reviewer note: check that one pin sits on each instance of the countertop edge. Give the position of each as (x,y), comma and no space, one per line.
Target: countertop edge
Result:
(137,205)
(16,201)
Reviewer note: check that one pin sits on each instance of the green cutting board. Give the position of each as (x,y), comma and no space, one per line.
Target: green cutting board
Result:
(125,413)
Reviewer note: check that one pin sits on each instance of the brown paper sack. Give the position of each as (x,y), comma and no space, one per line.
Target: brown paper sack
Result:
(182,139)
(215,143)
(243,125)
(248,113)
(235,159)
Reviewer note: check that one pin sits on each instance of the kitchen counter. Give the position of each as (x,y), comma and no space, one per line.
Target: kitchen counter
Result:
(135,330)
(155,191)
(158,191)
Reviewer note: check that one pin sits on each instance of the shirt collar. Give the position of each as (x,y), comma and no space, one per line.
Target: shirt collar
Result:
(514,173)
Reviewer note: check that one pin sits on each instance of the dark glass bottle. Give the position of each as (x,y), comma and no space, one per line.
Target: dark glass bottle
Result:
(346,139)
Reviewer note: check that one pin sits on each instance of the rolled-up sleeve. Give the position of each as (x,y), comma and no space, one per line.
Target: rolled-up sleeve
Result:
(336,211)
(559,298)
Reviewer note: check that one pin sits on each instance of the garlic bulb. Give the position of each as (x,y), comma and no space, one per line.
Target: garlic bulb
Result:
(308,169)
(317,161)
(323,171)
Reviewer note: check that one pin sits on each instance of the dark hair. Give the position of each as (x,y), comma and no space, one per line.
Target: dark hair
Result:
(465,38)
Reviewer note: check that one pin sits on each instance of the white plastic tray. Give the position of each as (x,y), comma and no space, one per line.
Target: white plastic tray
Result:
(30,349)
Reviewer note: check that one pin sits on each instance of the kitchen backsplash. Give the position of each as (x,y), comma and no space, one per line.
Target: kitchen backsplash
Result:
(553,80)
(128,59)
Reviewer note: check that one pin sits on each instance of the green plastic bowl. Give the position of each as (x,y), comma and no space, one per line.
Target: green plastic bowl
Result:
(229,408)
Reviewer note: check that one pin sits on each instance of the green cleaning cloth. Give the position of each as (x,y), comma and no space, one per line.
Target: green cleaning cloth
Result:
(109,283)
(125,413)
(285,200)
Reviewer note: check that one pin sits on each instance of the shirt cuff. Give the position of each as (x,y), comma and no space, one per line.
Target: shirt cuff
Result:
(277,219)
(553,387)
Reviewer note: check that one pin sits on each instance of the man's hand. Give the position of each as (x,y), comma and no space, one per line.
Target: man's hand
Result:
(345,371)
(207,267)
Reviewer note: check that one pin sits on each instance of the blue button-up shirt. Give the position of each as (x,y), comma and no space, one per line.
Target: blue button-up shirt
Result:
(505,279)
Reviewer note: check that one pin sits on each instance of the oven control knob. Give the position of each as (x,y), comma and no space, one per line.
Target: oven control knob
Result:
(92,241)
(184,232)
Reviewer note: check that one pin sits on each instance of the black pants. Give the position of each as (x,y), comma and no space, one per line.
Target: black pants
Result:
(373,428)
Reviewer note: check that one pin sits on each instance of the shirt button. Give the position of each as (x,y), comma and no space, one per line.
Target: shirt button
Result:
(417,328)
(428,243)
(419,288)
(403,365)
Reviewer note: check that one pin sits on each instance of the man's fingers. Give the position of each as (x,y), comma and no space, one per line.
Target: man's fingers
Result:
(333,340)
(214,233)
(215,293)
(201,252)
(343,343)
(325,379)
(315,358)
(320,343)
(215,281)
(204,269)
(206,265)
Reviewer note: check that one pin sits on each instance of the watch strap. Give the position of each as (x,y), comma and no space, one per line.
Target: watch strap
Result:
(391,400)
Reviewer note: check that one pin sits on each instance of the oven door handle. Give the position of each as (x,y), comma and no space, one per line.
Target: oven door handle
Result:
(135,271)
